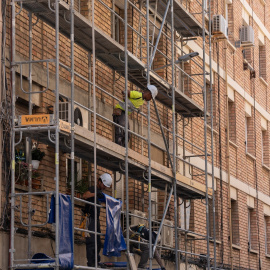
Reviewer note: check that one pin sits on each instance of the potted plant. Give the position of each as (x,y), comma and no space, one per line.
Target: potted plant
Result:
(37,156)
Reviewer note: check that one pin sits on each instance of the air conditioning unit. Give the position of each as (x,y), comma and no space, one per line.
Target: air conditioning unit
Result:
(138,220)
(220,26)
(80,114)
(247,36)
(167,233)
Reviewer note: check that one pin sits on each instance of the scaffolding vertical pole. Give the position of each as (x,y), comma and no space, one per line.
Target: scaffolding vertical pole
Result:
(212,136)
(149,138)
(29,210)
(57,134)
(185,227)
(12,221)
(29,145)
(173,139)
(205,138)
(72,112)
(126,122)
(95,123)
(89,93)
(29,141)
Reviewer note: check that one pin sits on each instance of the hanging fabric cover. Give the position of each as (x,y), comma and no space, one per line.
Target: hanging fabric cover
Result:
(66,259)
(114,240)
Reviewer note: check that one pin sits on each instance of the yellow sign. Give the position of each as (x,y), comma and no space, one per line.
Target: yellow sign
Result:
(64,126)
(35,120)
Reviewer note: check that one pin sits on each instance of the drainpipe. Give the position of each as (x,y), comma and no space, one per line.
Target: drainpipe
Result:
(228,156)
(1,93)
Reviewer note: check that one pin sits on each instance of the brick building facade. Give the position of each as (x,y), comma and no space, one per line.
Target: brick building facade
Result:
(241,146)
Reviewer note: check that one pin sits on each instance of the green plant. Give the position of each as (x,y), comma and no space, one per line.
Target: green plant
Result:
(37,154)
(35,174)
(81,186)
(21,172)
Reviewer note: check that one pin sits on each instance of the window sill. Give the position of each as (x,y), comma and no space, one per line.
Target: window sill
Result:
(192,235)
(231,45)
(267,256)
(266,167)
(214,131)
(254,251)
(251,156)
(236,246)
(263,81)
(217,241)
(233,144)
(25,188)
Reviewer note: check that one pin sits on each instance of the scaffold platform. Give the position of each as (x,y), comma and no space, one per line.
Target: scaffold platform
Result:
(112,156)
(184,22)
(111,53)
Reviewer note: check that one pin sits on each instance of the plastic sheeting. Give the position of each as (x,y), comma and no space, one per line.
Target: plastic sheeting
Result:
(66,257)
(114,240)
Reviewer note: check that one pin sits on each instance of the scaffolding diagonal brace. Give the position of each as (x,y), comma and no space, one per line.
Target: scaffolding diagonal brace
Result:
(159,34)
(163,135)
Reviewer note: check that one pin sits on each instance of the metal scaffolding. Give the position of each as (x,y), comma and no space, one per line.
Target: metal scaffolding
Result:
(179,26)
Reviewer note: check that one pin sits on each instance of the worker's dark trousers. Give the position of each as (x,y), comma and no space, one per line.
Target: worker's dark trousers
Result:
(90,243)
(119,132)
(145,255)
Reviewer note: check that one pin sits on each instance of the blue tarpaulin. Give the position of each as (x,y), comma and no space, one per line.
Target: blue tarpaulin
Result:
(114,240)
(66,259)
(41,258)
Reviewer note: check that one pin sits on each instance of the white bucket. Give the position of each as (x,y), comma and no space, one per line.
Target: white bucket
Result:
(35,164)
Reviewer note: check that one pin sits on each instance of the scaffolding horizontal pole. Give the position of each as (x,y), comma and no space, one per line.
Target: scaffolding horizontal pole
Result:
(31,128)
(91,232)
(190,156)
(34,266)
(86,267)
(33,193)
(32,62)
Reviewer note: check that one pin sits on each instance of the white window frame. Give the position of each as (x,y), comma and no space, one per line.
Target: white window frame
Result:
(79,167)
(262,147)
(249,227)
(265,235)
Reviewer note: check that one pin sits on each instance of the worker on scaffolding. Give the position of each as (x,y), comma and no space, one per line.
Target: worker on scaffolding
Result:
(105,180)
(135,101)
(140,233)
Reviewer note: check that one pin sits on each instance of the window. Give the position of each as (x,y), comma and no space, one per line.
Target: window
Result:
(267,234)
(232,121)
(235,222)
(262,62)
(77,171)
(229,20)
(247,54)
(185,213)
(211,219)
(154,203)
(208,103)
(252,230)
(115,24)
(249,133)
(265,148)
